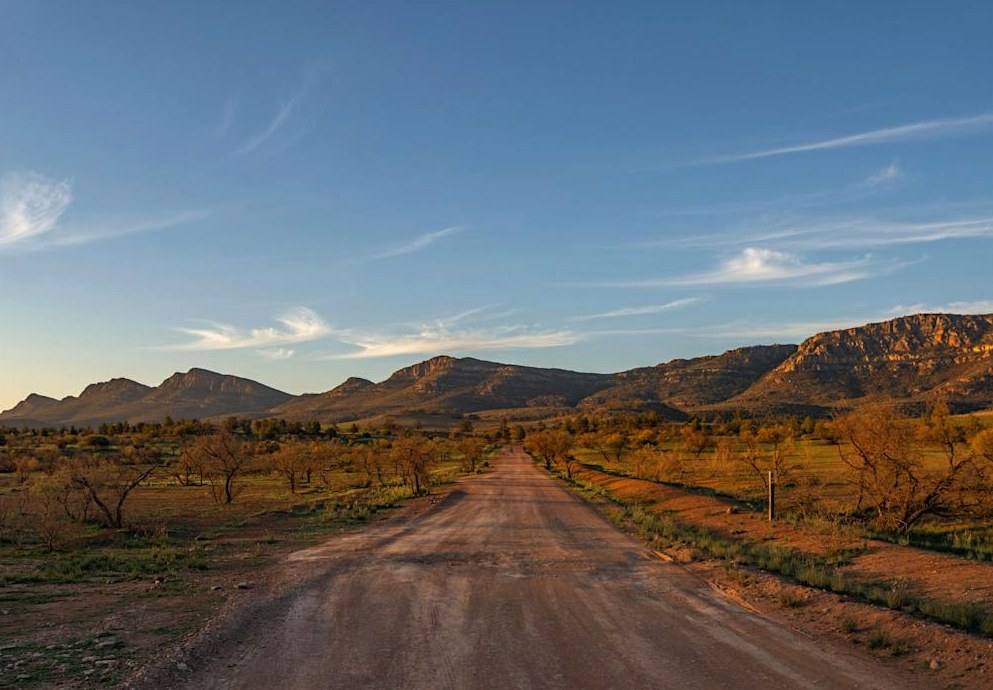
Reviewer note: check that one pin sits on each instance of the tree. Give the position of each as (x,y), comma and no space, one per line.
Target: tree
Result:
(108,480)
(328,458)
(612,446)
(414,456)
(695,440)
(192,464)
(225,458)
(472,449)
(885,457)
(551,447)
(292,461)
(770,449)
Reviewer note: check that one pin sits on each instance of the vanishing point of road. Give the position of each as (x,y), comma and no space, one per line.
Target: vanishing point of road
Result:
(512,582)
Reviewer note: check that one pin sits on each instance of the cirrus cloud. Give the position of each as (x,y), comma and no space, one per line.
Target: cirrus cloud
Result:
(299,325)
(439,338)
(917,130)
(31,210)
(757,266)
(418,243)
(31,205)
(640,311)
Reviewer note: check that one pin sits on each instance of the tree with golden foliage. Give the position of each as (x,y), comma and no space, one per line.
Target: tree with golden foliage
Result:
(551,447)
(885,457)
(414,456)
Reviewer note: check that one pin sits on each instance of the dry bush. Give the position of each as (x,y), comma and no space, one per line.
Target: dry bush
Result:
(885,458)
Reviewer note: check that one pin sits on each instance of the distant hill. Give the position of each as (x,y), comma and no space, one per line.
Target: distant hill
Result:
(443,385)
(691,383)
(904,360)
(196,394)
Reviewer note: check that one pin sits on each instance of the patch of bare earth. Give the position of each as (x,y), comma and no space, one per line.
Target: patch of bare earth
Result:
(97,634)
(956,658)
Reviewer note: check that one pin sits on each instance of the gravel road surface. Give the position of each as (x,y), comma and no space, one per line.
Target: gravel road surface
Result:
(511,582)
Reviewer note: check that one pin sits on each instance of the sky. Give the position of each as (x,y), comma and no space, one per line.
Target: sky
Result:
(299,192)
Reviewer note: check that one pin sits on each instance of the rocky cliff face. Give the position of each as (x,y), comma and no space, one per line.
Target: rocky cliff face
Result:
(904,359)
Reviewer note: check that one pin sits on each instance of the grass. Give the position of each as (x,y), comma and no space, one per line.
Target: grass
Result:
(974,542)
(86,661)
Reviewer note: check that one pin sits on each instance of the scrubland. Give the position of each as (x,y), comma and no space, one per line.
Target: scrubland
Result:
(117,541)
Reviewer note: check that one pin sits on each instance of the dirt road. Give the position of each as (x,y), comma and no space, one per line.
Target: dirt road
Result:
(511,582)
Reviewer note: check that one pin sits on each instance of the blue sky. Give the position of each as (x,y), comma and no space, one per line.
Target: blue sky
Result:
(299,192)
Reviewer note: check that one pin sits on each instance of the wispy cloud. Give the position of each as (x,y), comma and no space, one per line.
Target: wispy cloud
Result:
(888,174)
(869,233)
(277,353)
(843,233)
(286,111)
(31,205)
(437,338)
(982,306)
(299,325)
(861,189)
(792,331)
(767,266)
(120,227)
(226,118)
(640,311)
(31,211)
(274,126)
(916,130)
(418,243)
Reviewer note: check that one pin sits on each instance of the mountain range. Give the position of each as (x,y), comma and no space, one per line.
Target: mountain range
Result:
(905,360)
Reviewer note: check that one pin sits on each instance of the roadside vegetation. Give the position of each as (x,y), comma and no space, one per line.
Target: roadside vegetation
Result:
(166,521)
(846,488)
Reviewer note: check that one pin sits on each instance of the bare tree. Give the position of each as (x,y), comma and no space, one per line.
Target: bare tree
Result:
(48,524)
(108,481)
(225,459)
(332,456)
(770,449)
(191,467)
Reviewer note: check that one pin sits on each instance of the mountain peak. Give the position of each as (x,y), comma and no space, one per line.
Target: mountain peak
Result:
(30,405)
(435,366)
(114,389)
